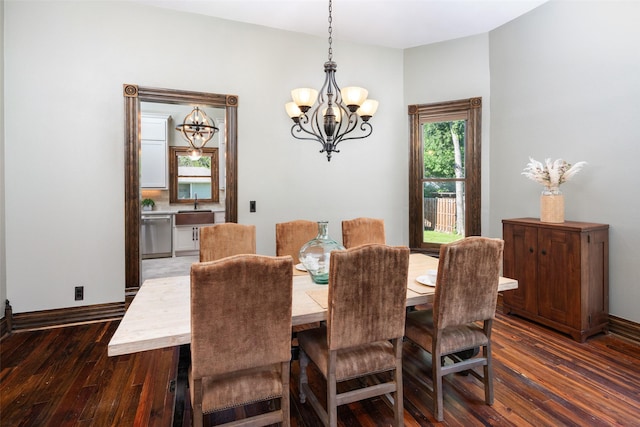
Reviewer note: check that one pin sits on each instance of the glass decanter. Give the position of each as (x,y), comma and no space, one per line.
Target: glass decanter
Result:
(316,254)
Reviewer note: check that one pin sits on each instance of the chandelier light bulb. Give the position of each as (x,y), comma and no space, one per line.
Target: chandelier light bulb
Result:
(304,97)
(368,109)
(293,110)
(336,112)
(195,154)
(353,97)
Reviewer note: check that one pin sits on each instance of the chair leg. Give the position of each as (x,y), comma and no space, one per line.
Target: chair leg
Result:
(438,405)
(488,375)
(196,405)
(302,378)
(284,401)
(196,417)
(332,389)
(332,407)
(398,396)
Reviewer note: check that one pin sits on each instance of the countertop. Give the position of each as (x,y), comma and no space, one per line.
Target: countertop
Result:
(173,212)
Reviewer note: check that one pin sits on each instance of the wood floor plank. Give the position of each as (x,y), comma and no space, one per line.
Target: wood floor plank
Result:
(63,376)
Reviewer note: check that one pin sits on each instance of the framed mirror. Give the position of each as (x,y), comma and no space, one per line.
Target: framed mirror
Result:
(133,95)
(192,180)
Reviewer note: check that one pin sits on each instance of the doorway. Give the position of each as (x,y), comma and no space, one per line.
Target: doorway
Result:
(133,95)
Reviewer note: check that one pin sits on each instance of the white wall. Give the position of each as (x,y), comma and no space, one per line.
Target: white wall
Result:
(3,263)
(65,63)
(447,71)
(565,83)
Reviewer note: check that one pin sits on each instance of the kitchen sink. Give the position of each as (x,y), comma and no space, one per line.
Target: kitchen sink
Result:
(194,217)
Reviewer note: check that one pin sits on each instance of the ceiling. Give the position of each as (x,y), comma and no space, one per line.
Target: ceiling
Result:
(390,23)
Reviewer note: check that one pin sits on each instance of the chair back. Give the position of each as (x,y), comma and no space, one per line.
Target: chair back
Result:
(292,235)
(240,313)
(360,231)
(467,284)
(367,295)
(226,239)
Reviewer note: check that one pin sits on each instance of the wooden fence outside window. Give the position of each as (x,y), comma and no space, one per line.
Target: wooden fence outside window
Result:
(440,214)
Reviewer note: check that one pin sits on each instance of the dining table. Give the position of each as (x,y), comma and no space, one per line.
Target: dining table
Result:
(160,314)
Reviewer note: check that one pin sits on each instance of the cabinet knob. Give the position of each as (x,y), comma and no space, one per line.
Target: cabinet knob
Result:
(531,250)
(544,252)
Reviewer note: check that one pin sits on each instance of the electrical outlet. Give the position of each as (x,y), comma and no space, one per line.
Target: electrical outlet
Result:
(252,206)
(79,293)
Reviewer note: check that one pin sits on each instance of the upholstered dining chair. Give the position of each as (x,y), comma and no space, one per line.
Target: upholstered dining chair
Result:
(240,335)
(290,236)
(226,239)
(465,295)
(358,231)
(364,328)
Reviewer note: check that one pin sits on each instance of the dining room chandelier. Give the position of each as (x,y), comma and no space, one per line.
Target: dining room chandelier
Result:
(197,128)
(336,114)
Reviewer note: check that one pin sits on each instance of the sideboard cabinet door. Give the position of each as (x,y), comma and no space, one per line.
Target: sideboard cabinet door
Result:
(562,272)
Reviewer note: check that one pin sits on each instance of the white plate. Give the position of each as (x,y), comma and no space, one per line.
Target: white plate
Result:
(300,267)
(424,280)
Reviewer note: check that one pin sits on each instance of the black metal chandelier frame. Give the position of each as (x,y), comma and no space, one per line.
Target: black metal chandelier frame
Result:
(197,126)
(330,121)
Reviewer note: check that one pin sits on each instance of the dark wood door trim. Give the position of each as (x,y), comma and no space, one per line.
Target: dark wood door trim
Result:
(133,95)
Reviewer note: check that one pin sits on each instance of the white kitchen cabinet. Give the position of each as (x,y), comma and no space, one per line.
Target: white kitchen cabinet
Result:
(154,166)
(186,240)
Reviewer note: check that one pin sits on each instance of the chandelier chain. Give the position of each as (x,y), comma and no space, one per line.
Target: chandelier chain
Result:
(330,32)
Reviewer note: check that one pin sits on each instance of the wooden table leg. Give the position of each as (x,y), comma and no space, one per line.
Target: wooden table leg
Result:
(182,380)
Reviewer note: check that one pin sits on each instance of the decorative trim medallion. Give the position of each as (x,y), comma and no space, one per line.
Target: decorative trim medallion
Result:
(130,91)
(232,100)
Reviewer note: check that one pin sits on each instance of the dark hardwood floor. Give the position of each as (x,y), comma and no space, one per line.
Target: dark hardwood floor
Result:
(63,377)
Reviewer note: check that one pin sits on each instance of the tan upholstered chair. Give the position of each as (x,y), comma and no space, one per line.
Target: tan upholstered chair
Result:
(364,328)
(241,335)
(226,239)
(290,236)
(466,293)
(358,231)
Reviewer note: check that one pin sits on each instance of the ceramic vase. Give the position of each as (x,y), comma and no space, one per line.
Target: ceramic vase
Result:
(552,206)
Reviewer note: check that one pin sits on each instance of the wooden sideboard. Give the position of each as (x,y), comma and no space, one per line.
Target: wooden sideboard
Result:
(562,272)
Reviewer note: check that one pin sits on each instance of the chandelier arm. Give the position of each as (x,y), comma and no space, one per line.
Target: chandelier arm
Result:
(365,127)
(186,136)
(316,126)
(297,128)
(346,126)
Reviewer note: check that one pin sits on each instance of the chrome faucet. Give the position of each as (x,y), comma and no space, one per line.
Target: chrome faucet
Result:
(195,202)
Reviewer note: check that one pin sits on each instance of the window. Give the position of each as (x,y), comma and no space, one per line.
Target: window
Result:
(444,172)
(191,179)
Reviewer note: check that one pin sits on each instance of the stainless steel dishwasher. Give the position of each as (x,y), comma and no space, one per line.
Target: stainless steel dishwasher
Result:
(155,236)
